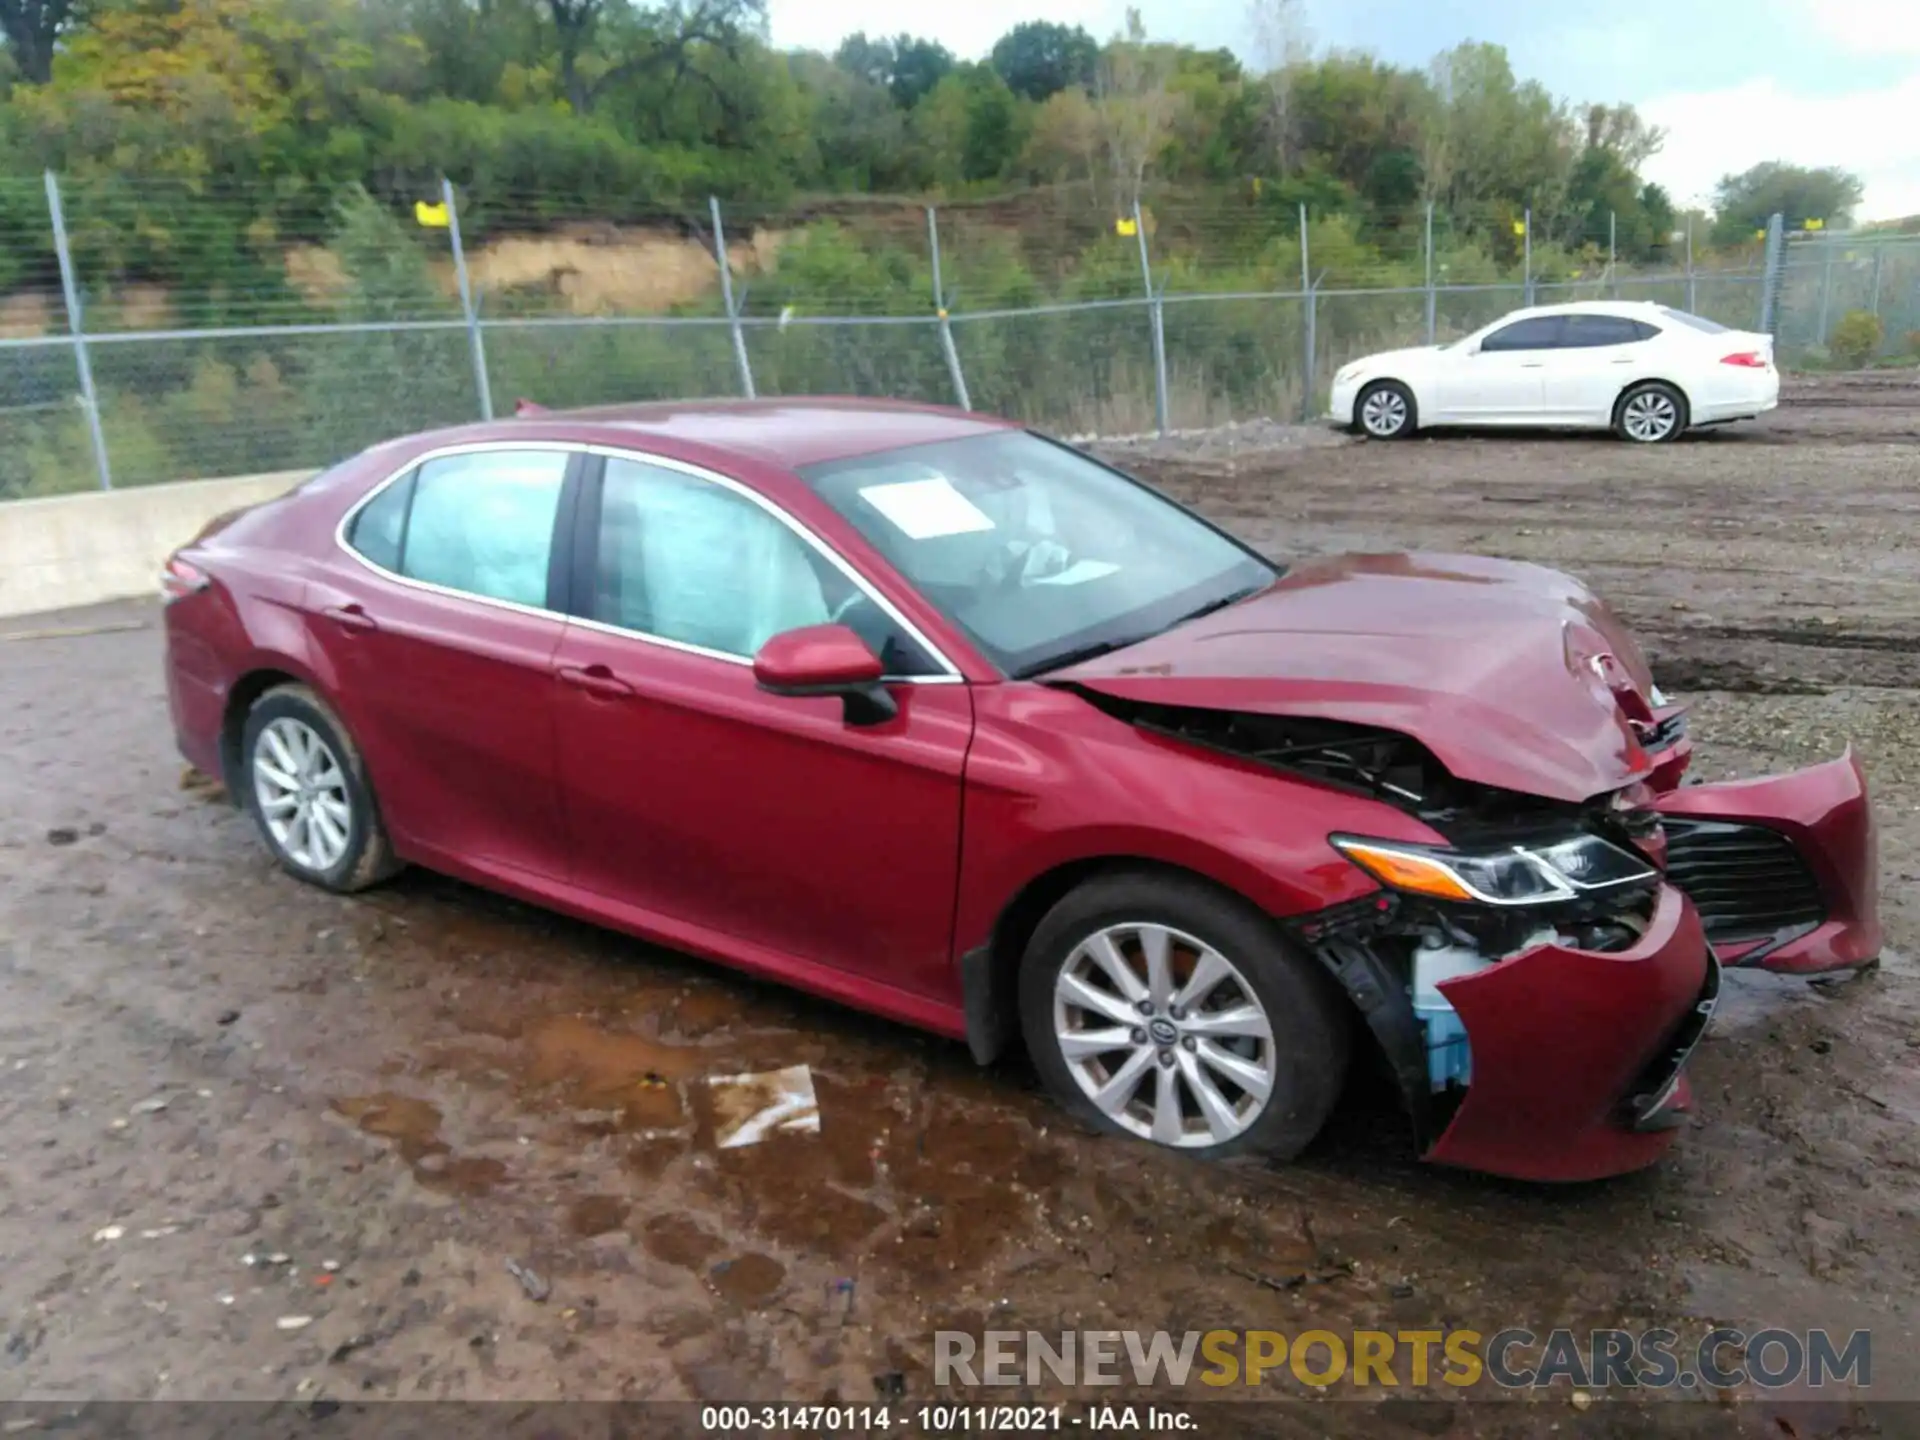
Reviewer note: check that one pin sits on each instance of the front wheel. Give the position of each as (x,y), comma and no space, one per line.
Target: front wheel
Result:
(1385,411)
(1650,414)
(307,790)
(1158,1007)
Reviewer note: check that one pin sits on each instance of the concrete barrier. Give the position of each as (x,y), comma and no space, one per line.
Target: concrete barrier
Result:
(66,550)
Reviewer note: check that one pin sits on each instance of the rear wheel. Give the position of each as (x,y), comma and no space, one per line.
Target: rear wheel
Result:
(307,790)
(1385,411)
(1157,1007)
(1650,414)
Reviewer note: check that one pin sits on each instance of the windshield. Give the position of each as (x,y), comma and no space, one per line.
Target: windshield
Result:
(1040,554)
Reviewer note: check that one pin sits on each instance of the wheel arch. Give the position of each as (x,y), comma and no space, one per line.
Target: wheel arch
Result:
(990,972)
(1414,390)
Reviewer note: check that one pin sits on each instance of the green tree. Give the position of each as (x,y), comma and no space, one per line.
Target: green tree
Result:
(909,68)
(1743,202)
(1040,58)
(33,30)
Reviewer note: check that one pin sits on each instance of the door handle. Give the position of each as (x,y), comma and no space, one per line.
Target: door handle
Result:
(1622,360)
(596,680)
(1533,364)
(351,617)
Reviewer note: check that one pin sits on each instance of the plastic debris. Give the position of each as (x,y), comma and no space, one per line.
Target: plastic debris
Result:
(109,1232)
(293,1322)
(749,1108)
(536,1287)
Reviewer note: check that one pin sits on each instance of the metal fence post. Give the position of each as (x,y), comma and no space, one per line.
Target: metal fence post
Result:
(482,386)
(1433,308)
(951,351)
(1526,257)
(1306,290)
(726,294)
(1613,275)
(1879,257)
(1693,307)
(70,286)
(1826,289)
(1158,319)
(1770,274)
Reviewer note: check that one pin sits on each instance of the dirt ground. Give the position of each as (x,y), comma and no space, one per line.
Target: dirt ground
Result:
(230,1103)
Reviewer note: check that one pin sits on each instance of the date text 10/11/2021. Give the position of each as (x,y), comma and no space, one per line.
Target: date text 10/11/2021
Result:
(941,1419)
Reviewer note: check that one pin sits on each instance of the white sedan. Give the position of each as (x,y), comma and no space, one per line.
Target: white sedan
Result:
(1645,371)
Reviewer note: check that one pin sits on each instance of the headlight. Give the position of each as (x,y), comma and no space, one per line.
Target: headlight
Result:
(1515,875)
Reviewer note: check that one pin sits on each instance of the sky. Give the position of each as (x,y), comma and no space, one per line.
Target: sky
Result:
(1734,82)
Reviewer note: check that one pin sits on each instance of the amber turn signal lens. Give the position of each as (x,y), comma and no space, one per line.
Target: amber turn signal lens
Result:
(1407,872)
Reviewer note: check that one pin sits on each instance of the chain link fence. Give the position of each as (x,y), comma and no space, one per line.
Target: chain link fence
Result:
(149,334)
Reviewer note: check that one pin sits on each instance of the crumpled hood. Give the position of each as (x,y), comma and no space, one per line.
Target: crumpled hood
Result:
(1495,666)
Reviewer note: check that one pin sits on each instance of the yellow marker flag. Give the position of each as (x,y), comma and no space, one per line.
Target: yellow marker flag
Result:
(1519,227)
(1759,234)
(1125,227)
(1816,224)
(434,217)
(1256,185)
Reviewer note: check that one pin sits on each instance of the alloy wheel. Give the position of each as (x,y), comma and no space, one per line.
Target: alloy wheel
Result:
(301,788)
(1650,416)
(1383,413)
(1164,1035)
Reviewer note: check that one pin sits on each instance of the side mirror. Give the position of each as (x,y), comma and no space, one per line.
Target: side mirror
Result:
(827,660)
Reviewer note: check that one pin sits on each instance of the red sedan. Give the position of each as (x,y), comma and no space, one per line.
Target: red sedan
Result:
(940,718)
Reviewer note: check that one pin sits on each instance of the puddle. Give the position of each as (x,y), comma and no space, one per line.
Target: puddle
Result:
(592,1215)
(749,1279)
(678,1241)
(413,1125)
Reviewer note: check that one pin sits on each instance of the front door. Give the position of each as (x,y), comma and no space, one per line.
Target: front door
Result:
(1503,381)
(440,640)
(693,795)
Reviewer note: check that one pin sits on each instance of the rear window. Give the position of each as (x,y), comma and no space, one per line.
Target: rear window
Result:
(379,531)
(1589,331)
(1696,322)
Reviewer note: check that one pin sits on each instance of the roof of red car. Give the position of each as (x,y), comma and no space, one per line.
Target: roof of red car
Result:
(789,431)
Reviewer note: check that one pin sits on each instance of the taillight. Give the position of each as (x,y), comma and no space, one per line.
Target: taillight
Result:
(1747,359)
(180,579)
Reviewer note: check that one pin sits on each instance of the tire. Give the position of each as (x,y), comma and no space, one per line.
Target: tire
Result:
(1304,1054)
(1650,413)
(290,725)
(1395,416)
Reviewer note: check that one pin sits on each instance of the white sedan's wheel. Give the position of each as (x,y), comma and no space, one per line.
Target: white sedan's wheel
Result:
(1650,414)
(1385,410)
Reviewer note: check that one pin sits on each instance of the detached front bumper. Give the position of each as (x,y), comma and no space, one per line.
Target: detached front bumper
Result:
(1784,870)
(1579,1056)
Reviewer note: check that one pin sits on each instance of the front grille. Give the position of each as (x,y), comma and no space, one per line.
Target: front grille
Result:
(1747,882)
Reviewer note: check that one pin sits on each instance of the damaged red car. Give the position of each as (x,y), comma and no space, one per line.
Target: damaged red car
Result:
(940,718)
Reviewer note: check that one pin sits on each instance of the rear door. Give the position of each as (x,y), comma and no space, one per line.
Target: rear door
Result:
(1597,357)
(1503,381)
(725,817)
(440,631)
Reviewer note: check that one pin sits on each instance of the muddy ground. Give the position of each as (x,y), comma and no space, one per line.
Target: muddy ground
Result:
(382,1101)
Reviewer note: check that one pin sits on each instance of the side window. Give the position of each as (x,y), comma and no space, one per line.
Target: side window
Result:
(1643,331)
(1542,332)
(1591,331)
(483,523)
(684,559)
(380,529)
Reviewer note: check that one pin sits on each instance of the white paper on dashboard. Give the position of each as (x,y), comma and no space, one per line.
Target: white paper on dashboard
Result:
(927,509)
(1079,573)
